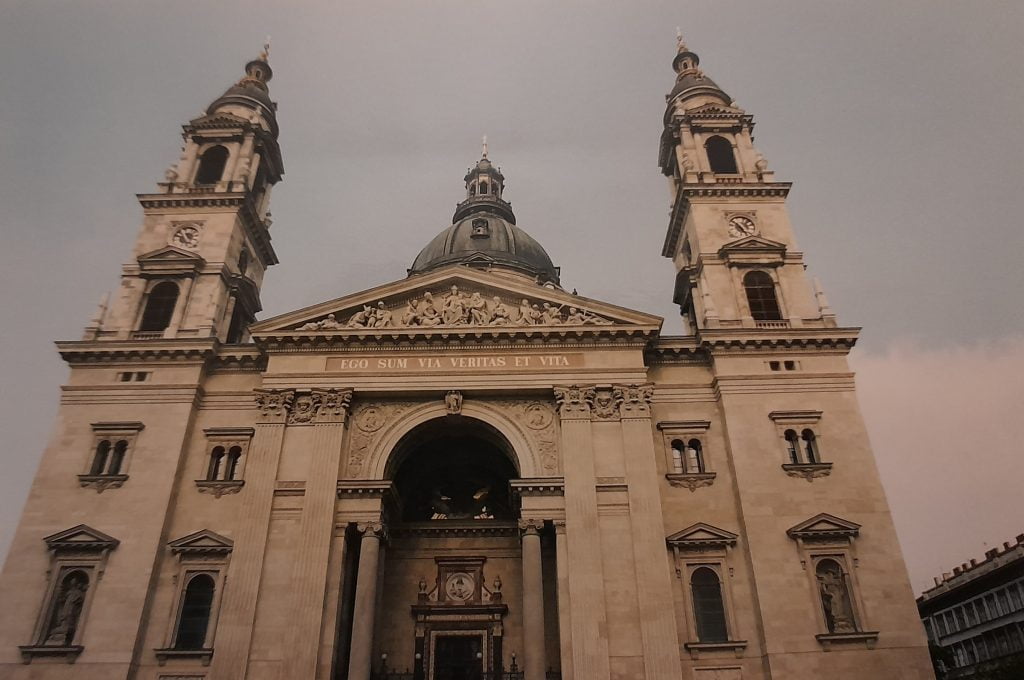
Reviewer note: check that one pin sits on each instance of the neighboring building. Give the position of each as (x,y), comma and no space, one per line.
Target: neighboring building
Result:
(974,617)
(469,470)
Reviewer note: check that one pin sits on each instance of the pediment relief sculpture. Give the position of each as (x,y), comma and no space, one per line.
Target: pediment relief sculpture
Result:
(457,307)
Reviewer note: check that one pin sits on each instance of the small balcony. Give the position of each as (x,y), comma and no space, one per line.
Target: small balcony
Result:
(147,335)
(771,324)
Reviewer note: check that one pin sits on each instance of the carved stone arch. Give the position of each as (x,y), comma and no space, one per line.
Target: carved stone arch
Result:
(524,457)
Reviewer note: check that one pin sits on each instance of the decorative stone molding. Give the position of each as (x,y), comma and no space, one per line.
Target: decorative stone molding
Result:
(575,402)
(692,480)
(102,482)
(701,537)
(68,653)
(634,400)
(453,402)
(531,526)
(868,637)
(332,405)
(274,405)
(809,471)
(824,528)
(377,529)
(606,403)
(203,543)
(219,487)
(696,649)
(163,655)
(540,486)
(80,539)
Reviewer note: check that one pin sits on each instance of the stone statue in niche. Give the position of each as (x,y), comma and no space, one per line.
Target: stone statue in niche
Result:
(835,598)
(67,610)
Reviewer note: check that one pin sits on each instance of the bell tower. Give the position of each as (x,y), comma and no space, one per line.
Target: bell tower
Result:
(199,259)
(737,261)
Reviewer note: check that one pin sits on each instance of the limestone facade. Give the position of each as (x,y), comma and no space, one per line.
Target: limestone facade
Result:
(466,471)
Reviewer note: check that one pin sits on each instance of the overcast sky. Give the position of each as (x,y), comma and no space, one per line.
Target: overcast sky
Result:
(899,122)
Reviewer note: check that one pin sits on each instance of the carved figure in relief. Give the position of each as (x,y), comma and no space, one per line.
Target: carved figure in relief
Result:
(835,598)
(363,318)
(411,315)
(575,317)
(428,312)
(383,316)
(500,316)
(454,310)
(66,611)
(453,402)
(478,310)
(330,323)
(551,315)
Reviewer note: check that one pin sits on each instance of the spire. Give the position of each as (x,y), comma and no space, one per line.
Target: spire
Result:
(251,91)
(484,153)
(485,188)
(690,79)
(680,43)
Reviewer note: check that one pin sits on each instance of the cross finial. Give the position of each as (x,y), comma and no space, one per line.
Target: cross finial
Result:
(484,145)
(680,43)
(265,54)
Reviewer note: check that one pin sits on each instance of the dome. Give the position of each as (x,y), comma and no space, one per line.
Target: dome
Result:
(691,84)
(486,239)
(251,92)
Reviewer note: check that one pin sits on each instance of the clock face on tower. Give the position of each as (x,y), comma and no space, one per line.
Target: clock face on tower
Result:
(741,225)
(186,236)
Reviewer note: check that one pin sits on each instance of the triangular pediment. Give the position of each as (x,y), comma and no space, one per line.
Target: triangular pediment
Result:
(169,254)
(81,538)
(457,299)
(701,535)
(824,526)
(754,244)
(204,542)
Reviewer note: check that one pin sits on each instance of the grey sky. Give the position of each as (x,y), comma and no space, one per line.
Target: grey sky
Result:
(898,122)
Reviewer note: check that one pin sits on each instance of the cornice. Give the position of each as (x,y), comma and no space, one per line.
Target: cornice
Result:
(726,341)
(104,351)
(676,350)
(345,339)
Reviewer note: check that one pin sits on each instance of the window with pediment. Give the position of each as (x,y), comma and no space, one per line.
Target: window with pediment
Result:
(78,557)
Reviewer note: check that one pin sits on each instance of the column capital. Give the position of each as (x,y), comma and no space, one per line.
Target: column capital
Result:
(332,405)
(634,400)
(375,529)
(575,402)
(530,527)
(559,525)
(274,405)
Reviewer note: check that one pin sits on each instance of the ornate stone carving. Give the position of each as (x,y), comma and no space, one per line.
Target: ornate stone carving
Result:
(458,308)
(303,408)
(274,404)
(539,419)
(219,487)
(809,471)
(334,405)
(102,482)
(634,400)
(691,481)
(574,401)
(538,416)
(606,403)
(453,402)
(530,526)
(369,419)
(372,529)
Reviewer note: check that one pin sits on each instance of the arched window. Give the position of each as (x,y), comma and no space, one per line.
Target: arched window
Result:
(472,189)
(694,456)
(195,613)
(483,188)
(761,296)
(234,454)
(211,165)
(66,610)
(793,446)
(239,322)
(216,461)
(117,460)
(720,155)
(159,307)
(99,461)
(834,591)
(678,456)
(810,446)
(708,607)
(243,261)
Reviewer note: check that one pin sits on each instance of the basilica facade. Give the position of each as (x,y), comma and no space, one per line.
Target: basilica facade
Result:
(470,472)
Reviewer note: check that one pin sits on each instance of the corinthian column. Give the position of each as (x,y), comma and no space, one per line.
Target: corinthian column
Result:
(588,617)
(238,611)
(533,601)
(653,572)
(365,602)
(316,529)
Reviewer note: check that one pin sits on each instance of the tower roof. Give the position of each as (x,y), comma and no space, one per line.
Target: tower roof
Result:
(690,79)
(484,232)
(252,91)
